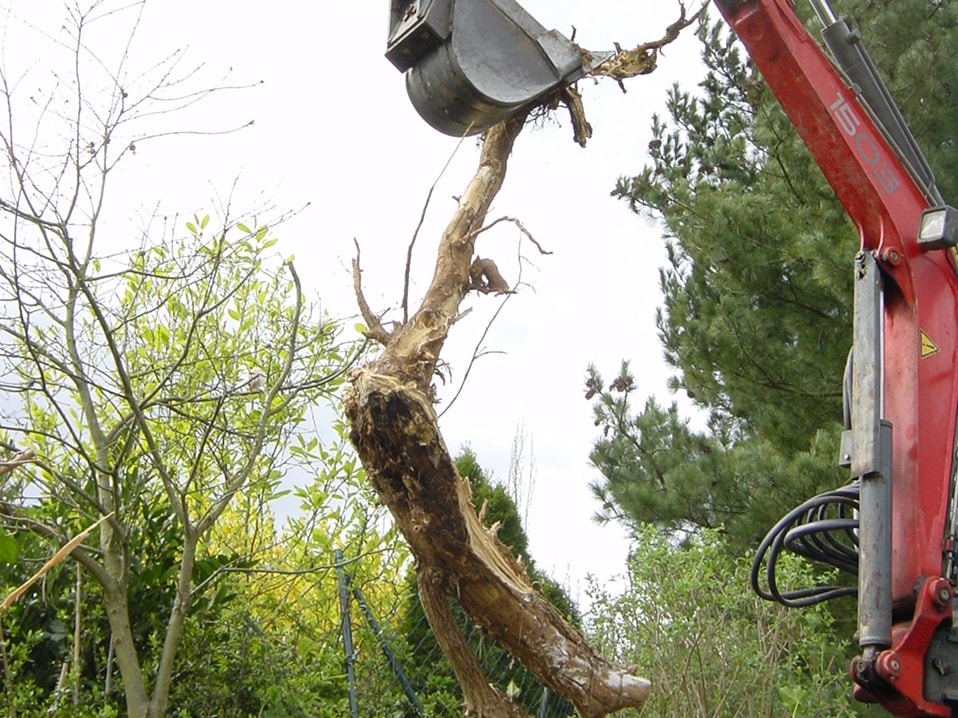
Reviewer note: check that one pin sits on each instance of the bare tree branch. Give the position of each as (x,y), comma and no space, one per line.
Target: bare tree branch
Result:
(643,58)
(374,326)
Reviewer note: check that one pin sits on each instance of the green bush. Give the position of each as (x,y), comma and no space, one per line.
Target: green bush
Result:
(689,622)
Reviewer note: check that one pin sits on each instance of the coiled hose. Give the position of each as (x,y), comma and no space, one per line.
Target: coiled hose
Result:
(823,529)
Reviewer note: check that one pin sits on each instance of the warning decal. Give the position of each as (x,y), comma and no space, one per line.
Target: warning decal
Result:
(928,347)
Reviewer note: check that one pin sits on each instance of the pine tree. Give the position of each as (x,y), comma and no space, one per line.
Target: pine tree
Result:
(757,290)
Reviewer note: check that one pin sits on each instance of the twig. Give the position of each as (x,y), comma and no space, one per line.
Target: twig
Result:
(526,233)
(422,218)
(476,354)
(7,680)
(251,571)
(642,59)
(77,627)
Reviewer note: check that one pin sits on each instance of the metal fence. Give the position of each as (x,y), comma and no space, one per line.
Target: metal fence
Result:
(394,666)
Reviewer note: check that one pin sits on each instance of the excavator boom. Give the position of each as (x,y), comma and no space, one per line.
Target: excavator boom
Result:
(901,443)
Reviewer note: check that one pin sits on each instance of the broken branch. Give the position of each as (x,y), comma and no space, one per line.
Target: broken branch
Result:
(642,59)
(375,330)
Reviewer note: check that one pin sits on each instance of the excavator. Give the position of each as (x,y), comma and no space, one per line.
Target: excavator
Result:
(469,64)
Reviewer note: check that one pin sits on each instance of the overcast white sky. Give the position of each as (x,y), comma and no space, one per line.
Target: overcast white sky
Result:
(334,130)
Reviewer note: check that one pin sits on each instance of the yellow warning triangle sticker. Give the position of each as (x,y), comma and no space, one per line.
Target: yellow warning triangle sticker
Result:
(928,347)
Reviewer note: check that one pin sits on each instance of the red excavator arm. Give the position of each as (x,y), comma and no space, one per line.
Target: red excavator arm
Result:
(906,378)
(471,63)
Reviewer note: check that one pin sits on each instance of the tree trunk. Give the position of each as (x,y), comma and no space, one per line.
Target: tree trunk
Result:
(396,433)
(118,613)
(174,627)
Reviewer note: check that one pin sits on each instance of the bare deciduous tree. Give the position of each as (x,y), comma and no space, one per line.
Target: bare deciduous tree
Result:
(150,385)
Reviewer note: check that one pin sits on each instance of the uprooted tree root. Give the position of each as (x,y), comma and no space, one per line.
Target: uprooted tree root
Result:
(396,434)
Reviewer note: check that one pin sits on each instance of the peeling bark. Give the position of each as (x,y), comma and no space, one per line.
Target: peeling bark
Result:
(395,431)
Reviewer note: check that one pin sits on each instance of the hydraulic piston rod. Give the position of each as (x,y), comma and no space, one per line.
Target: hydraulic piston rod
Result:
(871,461)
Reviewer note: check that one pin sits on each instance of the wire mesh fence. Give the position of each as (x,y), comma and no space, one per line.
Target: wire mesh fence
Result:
(395,667)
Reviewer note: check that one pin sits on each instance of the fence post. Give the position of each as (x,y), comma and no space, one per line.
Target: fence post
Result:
(544,703)
(387,651)
(347,632)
